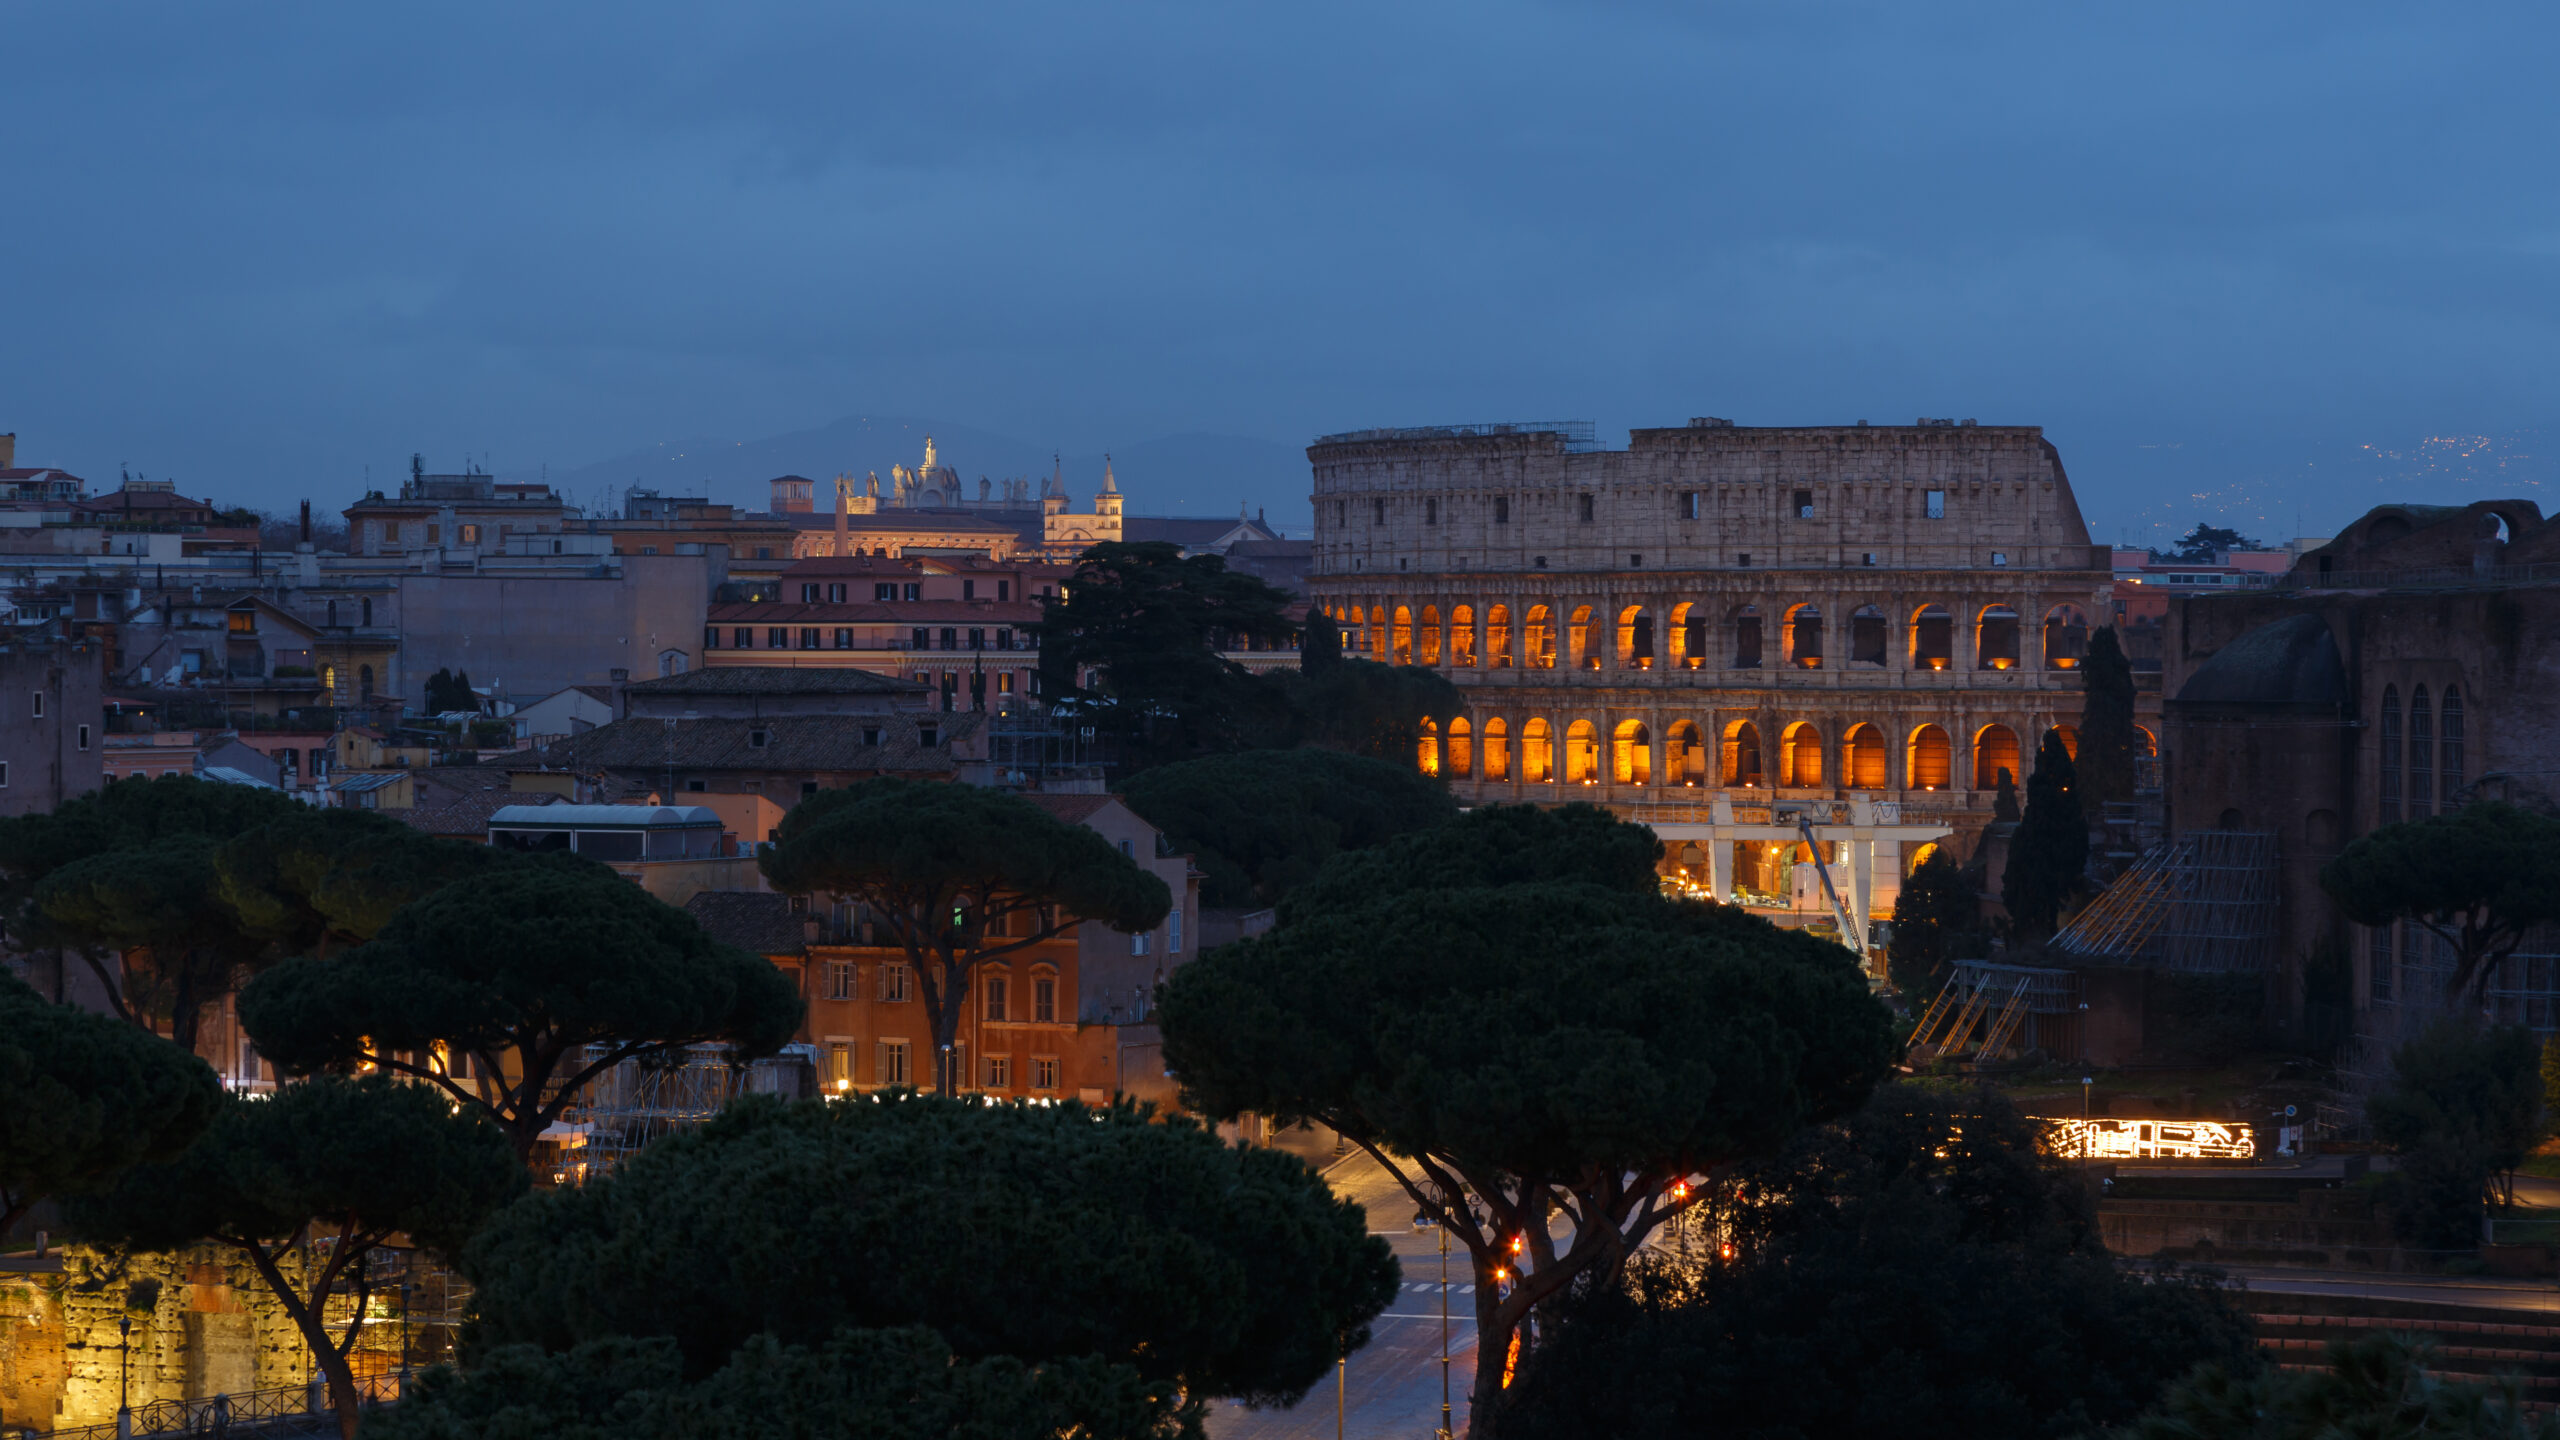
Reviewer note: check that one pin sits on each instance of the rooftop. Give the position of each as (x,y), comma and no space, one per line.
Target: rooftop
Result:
(750,920)
(777,679)
(785,743)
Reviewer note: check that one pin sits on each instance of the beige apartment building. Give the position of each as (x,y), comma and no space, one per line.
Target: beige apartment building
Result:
(1723,615)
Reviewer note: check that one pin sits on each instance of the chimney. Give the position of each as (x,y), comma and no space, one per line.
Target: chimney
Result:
(9,450)
(306,522)
(621,682)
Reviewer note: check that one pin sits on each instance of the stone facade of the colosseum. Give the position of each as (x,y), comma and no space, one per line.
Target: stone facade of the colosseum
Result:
(1806,612)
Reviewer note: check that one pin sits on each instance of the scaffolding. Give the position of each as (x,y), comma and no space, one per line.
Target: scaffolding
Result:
(2204,902)
(1992,1009)
(640,1100)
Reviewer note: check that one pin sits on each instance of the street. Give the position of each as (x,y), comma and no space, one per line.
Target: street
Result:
(1393,1383)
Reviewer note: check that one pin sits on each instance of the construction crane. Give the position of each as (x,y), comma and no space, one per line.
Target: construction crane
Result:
(1852,933)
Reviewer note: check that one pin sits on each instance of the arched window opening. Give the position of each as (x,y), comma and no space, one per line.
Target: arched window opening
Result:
(364,682)
(1635,638)
(1804,637)
(2066,638)
(1497,749)
(1922,855)
(1401,645)
(1586,654)
(1867,636)
(1462,750)
(1862,758)
(1426,646)
(1746,638)
(1741,768)
(2388,794)
(1581,753)
(1931,764)
(2150,743)
(2449,746)
(1800,756)
(1688,636)
(1497,637)
(1995,750)
(2070,739)
(1933,638)
(1996,639)
(1427,750)
(1537,754)
(1631,754)
(2422,755)
(1541,638)
(1462,636)
(1685,758)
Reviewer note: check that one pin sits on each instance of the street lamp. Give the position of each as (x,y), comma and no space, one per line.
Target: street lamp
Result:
(124,1373)
(1422,1218)
(2085,1082)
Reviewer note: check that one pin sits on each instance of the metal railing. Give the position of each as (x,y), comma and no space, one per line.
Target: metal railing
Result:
(270,1412)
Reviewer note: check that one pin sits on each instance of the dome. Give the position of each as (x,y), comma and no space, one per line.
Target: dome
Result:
(2292,661)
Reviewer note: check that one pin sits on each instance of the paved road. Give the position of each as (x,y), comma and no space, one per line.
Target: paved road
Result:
(2434,1289)
(1393,1385)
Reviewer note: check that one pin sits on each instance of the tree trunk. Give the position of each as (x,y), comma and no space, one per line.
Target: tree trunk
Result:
(308,1319)
(1493,1351)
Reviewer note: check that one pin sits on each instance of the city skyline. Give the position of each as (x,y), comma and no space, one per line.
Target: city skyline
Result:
(2266,273)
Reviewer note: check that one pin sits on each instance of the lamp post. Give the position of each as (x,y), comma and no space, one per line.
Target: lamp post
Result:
(124,1374)
(1422,1218)
(2085,1082)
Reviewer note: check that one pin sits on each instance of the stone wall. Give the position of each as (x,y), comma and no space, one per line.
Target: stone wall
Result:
(1892,610)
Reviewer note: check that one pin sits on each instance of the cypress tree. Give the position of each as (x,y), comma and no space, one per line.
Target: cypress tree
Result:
(2108,739)
(2051,848)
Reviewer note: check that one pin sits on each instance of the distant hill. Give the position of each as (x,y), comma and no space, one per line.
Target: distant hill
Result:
(1193,474)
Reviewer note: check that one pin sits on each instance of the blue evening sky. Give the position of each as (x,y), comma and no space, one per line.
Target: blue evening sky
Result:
(2270,264)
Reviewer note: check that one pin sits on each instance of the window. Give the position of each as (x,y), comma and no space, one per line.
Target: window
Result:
(870,734)
(1044,1072)
(809,593)
(2422,755)
(1999,557)
(777,637)
(1377,512)
(1127,849)
(1004,682)
(808,788)
(39,704)
(999,1072)
(884,592)
(1430,512)
(894,1067)
(4,774)
(763,552)
(920,639)
(756,739)
(1138,943)
(968,589)
(1743,560)
(835,594)
(1173,931)
(2390,788)
(897,982)
(839,980)
(743,638)
(711,637)
(1804,504)
(996,986)
(2449,745)
(808,637)
(1004,589)
(1688,509)
(84,738)
(977,639)
(368,612)
(243,622)
(1501,509)
(915,590)
(928,737)
(1583,503)
(1044,999)
(950,638)
(697,786)
(839,1065)
(435,534)
(1933,504)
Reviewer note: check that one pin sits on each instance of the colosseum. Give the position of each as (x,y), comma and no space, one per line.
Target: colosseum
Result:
(1722,627)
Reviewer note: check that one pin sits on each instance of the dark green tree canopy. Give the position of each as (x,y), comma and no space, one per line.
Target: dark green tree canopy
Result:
(1037,1232)
(2201,542)
(84,1098)
(901,1384)
(159,908)
(448,691)
(358,1160)
(132,815)
(2478,878)
(2050,851)
(957,875)
(2380,1383)
(2464,1107)
(535,960)
(1937,920)
(1261,822)
(1368,708)
(2110,741)
(1506,1006)
(1149,622)
(321,878)
(1918,1270)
